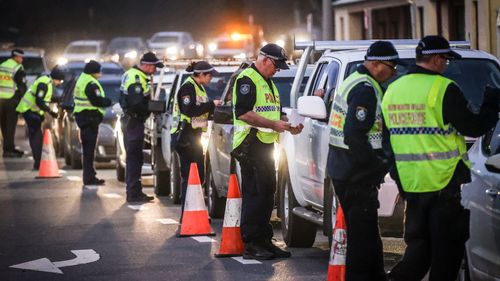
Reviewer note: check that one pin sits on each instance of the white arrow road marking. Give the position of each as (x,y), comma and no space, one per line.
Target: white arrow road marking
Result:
(167,221)
(112,195)
(138,207)
(45,265)
(243,261)
(204,239)
(74,178)
(82,257)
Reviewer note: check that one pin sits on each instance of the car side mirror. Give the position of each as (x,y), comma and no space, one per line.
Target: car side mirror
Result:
(312,107)
(493,163)
(223,114)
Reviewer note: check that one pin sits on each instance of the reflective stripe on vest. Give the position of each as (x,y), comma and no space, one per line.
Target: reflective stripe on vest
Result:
(7,71)
(267,104)
(28,102)
(426,150)
(196,121)
(339,111)
(80,98)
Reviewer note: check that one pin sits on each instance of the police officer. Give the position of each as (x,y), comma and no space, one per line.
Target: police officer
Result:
(134,98)
(427,116)
(190,113)
(258,120)
(12,88)
(90,103)
(33,106)
(356,161)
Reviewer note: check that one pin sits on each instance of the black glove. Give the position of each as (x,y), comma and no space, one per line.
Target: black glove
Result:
(53,114)
(106,102)
(492,97)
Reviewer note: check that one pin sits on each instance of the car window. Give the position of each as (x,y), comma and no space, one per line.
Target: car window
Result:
(112,90)
(471,75)
(165,39)
(33,66)
(79,49)
(216,87)
(319,78)
(491,142)
(284,85)
(170,102)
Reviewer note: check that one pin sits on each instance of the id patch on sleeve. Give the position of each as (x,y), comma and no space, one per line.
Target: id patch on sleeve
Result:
(245,89)
(361,113)
(186,100)
(97,92)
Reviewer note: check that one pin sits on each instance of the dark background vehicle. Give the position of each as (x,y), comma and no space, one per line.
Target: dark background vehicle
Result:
(64,128)
(125,50)
(34,62)
(219,163)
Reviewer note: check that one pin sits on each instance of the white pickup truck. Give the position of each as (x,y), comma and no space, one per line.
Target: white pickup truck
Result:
(305,191)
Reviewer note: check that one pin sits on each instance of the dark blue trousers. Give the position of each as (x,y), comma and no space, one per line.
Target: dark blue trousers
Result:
(188,155)
(258,185)
(34,123)
(88,121)
(133,133)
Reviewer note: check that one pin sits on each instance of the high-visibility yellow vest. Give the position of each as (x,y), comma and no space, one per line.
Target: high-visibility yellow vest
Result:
(426,149)
(339,111)
(7,71)
(28,102)
(197,121)
(267,105)
(81,100)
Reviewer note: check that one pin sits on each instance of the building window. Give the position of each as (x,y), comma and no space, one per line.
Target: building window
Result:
(476,22)
(421,16)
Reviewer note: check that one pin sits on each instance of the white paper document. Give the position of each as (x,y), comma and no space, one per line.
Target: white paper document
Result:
(295,118)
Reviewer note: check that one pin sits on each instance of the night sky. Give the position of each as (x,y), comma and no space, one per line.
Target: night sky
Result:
(52,24)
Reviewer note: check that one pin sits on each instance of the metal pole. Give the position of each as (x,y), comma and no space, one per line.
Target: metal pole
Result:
(327,20)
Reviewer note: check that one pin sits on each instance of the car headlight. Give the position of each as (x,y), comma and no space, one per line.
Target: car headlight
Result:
(212,46)
(281,43)
(62,61)
(172,50)
(115,58)
(131,55)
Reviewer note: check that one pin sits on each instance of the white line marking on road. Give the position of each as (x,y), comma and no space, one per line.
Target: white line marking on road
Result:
(45,265)
(167,221)
(91,187)
(112,195)
(74,178)
(138,207)
(30,157)
(242,261)
(62,171)
(204,239)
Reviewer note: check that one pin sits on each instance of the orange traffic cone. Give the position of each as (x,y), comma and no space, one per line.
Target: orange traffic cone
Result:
(231,244)
(336,268)
(48,163)
(195,215)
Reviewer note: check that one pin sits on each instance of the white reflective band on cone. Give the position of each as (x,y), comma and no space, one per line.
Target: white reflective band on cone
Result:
(232,216)
(194,199)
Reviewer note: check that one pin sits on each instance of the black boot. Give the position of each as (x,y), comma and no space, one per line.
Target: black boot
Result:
(255,251)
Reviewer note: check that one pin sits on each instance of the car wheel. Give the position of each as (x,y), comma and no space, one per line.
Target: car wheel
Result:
(216,205)
(175,177)
(161,176)
(329,210)
(120,170)
(297,232)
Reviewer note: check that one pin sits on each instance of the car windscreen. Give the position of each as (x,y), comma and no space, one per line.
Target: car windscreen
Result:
(81,49)
(32,65)
(112,90)
(217,85)
(165,39)
(284,86)
(123,44)
(111,69)
(471,75)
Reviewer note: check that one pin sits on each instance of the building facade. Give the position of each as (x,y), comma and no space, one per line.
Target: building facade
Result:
(477,21)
